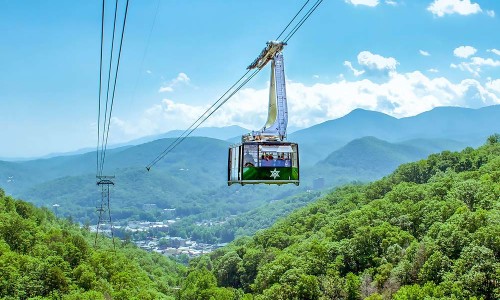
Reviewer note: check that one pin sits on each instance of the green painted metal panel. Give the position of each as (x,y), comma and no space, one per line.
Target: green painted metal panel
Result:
(270,173)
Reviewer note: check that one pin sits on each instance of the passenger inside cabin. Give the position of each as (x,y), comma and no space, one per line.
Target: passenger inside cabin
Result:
(267,160)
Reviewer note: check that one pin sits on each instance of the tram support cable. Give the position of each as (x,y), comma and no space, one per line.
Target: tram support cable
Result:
(209,111)
(176,142)
(100,89)
(301,22)
(114,87)
(109,80)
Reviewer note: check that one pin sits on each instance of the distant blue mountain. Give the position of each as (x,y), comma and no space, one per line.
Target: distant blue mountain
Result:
(370,158)
(220,133)
(458,125)
(228,133)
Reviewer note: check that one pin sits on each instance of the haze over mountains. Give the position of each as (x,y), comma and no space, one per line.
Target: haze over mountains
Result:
(363,145)
(465,126)
(221,133)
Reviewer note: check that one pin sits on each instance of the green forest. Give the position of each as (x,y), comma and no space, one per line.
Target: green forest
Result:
(430,230)
(42,257)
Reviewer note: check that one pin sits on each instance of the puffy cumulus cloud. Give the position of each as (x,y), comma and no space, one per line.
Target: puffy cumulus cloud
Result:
(371,3)
(475,65)
(476,95)
(479,61)
(181,78)
(432,70)
(494,85)
(462,7)
(374,63)
(424,53)
(464,51)
(400,95)
(391,2)
(247,108)
(496,51)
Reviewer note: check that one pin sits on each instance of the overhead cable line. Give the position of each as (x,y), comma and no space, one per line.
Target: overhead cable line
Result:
(187,131)
(114,87)
(293,19)
(109,80)
(301,22)
(211,110)
(100,88)
(203,117)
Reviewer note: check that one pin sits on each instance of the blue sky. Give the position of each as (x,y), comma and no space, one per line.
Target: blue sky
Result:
(400,57)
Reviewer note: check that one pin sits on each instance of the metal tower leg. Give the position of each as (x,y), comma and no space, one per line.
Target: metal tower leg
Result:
(104,182)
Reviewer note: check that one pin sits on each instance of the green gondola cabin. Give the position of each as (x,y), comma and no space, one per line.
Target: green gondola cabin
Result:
(258,162)
(265,156)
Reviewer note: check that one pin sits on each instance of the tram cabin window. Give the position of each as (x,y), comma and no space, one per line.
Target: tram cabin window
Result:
(250,156)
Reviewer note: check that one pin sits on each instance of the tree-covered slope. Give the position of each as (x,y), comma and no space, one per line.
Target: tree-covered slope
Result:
(369,158)
(42,257)
(429,230)
(372,155)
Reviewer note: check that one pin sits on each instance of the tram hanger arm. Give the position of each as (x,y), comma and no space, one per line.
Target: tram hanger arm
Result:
(267,54)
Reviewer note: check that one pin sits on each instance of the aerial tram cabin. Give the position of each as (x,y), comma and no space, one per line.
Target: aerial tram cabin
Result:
(259,162)
(265,156)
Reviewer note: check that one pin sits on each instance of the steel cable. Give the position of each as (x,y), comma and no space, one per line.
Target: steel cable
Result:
(209,111)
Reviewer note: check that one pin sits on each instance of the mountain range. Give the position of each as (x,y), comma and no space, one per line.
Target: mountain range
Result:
(456,125)
(361,146)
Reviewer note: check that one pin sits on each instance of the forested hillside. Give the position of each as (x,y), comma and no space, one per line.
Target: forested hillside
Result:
(367,159)
(429,230)
(42,257)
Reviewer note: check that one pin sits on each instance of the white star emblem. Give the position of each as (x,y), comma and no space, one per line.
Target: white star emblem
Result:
(275,173)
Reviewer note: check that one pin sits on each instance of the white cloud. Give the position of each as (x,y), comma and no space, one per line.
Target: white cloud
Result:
(497,52)
(424,53)
(399,95)
(182,77)
(166,115)
(391,2)
(165,89)
(461,7)
(148,71)
(464,51)
(315,76)
(169,87)
(494,85)
(479,61)
(354,71)
(433,70)
(475,64)
(375,62)
(371,3)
